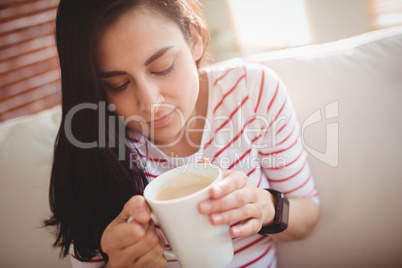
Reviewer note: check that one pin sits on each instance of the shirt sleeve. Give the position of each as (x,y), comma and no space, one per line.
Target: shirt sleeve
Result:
(280,150)
(95,262)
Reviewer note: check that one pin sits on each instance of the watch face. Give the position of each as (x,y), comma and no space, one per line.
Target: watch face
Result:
(285,212)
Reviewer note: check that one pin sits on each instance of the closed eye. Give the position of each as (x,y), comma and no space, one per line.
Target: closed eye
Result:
(120,88)
(165,72)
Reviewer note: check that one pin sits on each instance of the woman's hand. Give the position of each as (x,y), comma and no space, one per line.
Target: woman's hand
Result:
(134,244)
(235,199)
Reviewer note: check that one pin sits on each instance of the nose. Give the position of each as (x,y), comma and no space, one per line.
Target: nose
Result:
(149,97)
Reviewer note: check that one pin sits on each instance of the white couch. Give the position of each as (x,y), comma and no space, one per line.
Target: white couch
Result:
(355,154)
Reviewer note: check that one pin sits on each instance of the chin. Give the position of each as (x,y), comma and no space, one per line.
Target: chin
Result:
(167,138)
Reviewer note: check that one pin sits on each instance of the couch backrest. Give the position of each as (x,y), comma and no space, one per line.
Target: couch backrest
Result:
(348,96)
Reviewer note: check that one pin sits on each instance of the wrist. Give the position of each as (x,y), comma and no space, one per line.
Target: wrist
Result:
(268,206)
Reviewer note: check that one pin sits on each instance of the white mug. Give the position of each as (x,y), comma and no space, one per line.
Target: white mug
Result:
(194,241)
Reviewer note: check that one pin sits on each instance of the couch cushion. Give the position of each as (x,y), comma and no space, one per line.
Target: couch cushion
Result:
(26,151)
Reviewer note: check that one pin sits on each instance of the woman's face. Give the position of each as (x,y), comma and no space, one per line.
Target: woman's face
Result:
(148,71)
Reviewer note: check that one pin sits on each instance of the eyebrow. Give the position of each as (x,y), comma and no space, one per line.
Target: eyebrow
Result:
(151,59)
(111,74)
(157,55)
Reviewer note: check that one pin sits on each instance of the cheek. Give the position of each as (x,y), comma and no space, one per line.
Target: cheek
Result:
(124,105)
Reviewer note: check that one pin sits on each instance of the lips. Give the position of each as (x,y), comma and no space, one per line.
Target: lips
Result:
(161,121)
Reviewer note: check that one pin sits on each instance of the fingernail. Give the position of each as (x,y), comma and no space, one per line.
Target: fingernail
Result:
(203,160)
(218,190)
(235,231)
(217,218)
(206,207)
(140,213)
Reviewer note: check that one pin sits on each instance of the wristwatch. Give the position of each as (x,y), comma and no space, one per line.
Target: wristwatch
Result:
(281,214)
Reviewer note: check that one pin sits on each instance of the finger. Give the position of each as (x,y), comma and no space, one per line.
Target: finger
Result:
(161,263)
(136,207)
(122,235)
(161,239)
(235,199)
(153,258)
(204,160)
(225,172)
(119,234)
(246,228)
(234,215)
(231,200)
(152,251)
(136,251)
(231,181)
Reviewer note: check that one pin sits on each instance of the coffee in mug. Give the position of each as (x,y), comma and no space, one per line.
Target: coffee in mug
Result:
(183,185)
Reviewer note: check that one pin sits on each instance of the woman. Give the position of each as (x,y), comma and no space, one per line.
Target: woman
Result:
(141,59)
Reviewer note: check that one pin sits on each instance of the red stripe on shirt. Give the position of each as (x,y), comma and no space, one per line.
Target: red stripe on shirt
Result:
(150,175)
(252,171)
(259,183)
(290,134)
(275,168)
(227,121)
(280,151)
(256,138)
(313,192)
(249,245)
(161,160)
(261,89)
(272,261)
(238,160)
(298,187)
(259,258)
(284,124)
(227,93)
(217,80)
(288,178)
(245,73)
(235,138)
(276,117)
(133,139)
(273,98)
(91,260)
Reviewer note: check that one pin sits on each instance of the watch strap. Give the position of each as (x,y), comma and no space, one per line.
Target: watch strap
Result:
(281,214)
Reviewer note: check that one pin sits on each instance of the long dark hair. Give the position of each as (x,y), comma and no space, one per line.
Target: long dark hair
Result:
(89,186)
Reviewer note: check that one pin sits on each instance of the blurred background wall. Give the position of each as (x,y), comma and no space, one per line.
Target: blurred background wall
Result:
(29,74)
(278,22)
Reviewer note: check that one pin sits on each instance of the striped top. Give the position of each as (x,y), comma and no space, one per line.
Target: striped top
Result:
(250,127)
